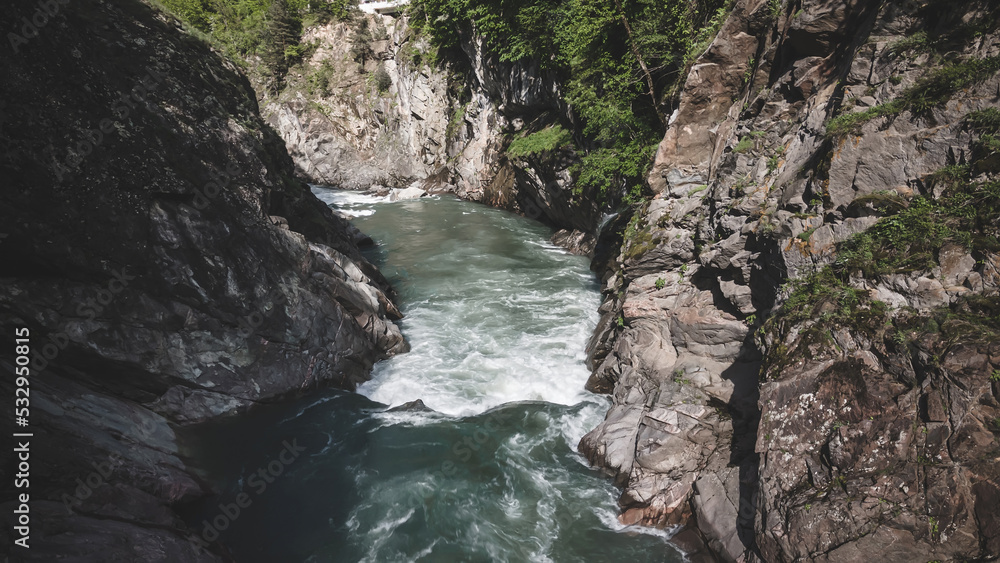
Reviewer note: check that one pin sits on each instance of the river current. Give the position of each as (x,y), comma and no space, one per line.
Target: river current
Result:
(497,318)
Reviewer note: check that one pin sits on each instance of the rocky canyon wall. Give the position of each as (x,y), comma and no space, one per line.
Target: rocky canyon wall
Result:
(784,387)
(373,108)
(862,417)
(169,269)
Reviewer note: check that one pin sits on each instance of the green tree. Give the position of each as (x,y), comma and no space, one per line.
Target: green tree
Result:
(361,48)
(244,29)
(281,41)
(197,13)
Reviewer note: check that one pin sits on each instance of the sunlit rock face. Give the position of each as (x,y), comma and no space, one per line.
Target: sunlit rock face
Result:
(797,439)
(441,128)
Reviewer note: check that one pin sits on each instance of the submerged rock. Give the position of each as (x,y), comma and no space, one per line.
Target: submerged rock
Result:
(412,406)
(413,192)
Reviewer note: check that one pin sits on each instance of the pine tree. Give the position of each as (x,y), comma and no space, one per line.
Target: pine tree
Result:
(281,39)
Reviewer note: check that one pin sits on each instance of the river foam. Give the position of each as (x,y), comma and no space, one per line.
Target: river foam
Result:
(493,321)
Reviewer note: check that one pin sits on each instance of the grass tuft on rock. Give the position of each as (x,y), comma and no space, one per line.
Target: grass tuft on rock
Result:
(984,120)
(937,88)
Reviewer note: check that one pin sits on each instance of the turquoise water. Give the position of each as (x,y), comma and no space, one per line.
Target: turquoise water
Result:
(497,319)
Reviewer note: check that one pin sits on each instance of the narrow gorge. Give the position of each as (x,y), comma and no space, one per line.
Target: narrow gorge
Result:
(484,466)
(556,280)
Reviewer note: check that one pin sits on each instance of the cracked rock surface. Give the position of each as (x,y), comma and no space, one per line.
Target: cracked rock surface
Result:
(808,439)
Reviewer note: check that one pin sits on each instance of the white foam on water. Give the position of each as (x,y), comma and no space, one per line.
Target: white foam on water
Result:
(382,532)
(610,519)
(573,428)
(504,328)
(347,200)
(407,418)
(463,373)
(358,213)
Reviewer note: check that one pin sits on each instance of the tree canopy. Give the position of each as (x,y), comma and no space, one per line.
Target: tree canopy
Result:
(620,61)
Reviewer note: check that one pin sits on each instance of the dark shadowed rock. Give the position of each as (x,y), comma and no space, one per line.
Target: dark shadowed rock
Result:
(168,266)
(576,242)
(412,406)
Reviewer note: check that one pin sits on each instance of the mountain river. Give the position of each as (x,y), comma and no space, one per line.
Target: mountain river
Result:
(498,319)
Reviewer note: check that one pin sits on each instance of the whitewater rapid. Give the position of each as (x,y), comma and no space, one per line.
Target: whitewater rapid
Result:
(498,320)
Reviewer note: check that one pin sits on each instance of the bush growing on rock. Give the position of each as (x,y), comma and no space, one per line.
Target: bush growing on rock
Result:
(540,142)
(937,88)
(382,80)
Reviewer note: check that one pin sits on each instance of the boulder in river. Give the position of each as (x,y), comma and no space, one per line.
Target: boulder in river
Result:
(412,406)
(413,192)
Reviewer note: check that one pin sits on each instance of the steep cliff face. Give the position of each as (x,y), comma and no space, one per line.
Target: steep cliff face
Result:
(872,427)
(373,108)
(366,110)
(168,266)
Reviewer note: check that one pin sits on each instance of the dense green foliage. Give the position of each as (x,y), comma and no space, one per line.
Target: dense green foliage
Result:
(269,29)
(827,290)
(540,142)
(619,62)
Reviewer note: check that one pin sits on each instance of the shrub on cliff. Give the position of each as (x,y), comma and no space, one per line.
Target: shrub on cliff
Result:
(197,13)
(540,142)
(933,90)
(382,80)
(909,238)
